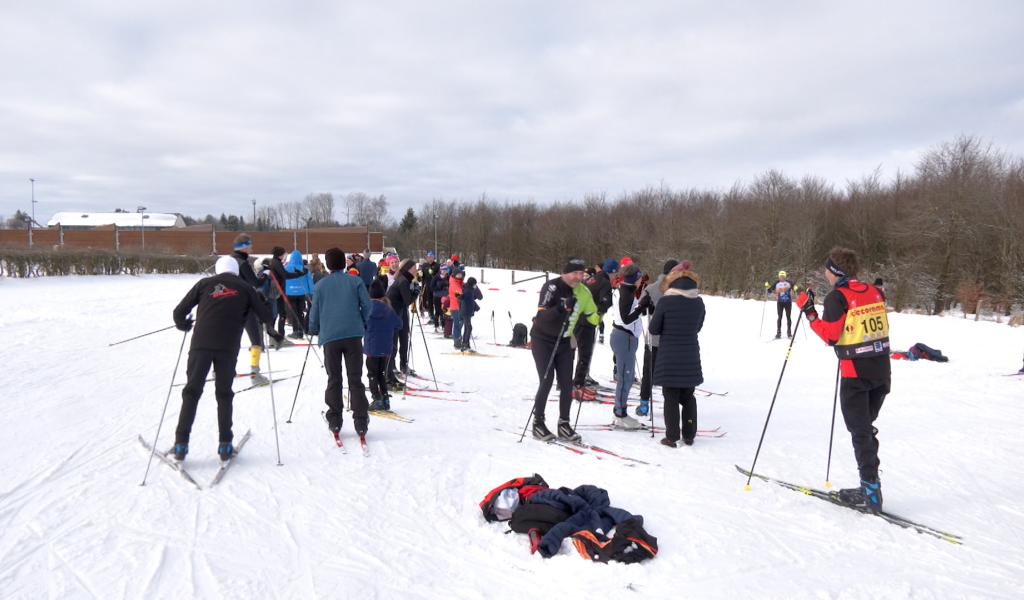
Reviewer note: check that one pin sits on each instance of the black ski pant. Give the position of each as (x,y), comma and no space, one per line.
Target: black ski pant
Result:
(252,329)
(283,314)
(467,332)
(784,307)
(561,368)
(400,351)
(861,400)
(650,356)
(586,337)
(199,362)
(438,313)
(297,317)
(375,373)
(680,408)
(349,351)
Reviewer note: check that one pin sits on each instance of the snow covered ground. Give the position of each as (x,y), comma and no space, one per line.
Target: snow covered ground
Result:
(405,523)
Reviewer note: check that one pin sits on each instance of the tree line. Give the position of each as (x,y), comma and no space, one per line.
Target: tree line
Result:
(951,231)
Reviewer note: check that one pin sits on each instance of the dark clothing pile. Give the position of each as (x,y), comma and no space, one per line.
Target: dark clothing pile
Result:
(598,530)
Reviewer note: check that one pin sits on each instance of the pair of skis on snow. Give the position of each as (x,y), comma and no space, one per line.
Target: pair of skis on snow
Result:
(165,457)
(833,497)
(341,445)
(711,433)
(582,448)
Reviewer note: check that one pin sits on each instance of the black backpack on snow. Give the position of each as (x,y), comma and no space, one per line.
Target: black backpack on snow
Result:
(519,333)
(541,517)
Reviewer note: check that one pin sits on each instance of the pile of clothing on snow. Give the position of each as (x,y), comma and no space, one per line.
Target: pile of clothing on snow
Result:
(599,531)
(920,351)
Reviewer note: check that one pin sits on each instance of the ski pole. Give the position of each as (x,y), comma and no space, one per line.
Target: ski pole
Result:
(547,370)
(301,374)
(510,323)
(494,329)
(427,348)
(273,408)
(774,396)
(832,431)
(650,372)
(764,307)
(164,412)
(141,336)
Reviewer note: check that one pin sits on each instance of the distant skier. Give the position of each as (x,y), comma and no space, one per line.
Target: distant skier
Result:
(653,292)
(225,302)
(454,294)
(367,270)
(584,327)
(678,318)
(855,322)
(627,329)
(298,289)
(242,247)
(401,298)
(551,342)
(341,307)
(783,291)
(428,273)
(602,292)
(468,307)
(378,344)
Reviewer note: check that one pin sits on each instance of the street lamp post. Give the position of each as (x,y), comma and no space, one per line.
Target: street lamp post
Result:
(30,223)
(254,213)
(142,219)
(435,231)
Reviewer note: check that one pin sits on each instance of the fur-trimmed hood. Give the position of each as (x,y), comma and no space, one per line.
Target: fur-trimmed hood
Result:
(677,274)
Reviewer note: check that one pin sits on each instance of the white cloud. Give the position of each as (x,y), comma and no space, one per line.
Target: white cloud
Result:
(198,107)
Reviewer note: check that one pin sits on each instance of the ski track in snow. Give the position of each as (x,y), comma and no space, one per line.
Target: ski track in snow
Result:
(404,522)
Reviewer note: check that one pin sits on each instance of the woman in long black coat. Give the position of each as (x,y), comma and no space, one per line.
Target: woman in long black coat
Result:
(678,319)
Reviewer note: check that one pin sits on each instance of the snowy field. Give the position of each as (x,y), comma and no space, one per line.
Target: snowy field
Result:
(404,522)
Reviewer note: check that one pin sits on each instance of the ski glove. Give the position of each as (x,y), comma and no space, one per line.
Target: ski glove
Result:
(187,325)
(805,301)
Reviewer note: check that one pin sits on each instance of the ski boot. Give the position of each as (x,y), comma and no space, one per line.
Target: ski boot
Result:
(668,442)
(180,450)
(296,335)
(225,450)
(867,497)
(377,404)
(590,382)
(541,431)
(600,338)
(258,378)
(778,335)
(566,432)
(643,409)
(624,421)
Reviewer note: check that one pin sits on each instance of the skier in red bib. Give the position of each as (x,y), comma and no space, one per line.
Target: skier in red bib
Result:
(856,324)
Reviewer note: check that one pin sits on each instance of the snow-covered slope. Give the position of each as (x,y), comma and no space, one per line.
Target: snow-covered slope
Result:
(74,522)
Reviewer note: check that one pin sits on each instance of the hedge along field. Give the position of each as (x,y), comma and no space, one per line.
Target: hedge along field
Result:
(19,262)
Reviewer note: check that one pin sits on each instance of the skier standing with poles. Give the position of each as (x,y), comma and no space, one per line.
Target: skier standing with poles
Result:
(341,306)
(552,349)
(856,324)
(783,290)
(225,302)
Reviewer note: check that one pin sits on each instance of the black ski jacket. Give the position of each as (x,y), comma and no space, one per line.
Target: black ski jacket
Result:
(224,303)
(602,292)
(245,268)
(551,312)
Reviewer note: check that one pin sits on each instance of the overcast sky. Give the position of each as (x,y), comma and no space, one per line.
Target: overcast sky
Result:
(200,107)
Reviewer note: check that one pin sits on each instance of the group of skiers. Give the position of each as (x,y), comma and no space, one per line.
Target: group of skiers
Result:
(361,309)
(567,315)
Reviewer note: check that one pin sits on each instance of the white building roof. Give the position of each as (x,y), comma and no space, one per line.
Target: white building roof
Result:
(87,219)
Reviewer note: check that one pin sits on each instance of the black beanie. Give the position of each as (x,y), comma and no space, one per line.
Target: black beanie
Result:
(277,252)
(669,264)
(334,259)
(377,289)
(573,265)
